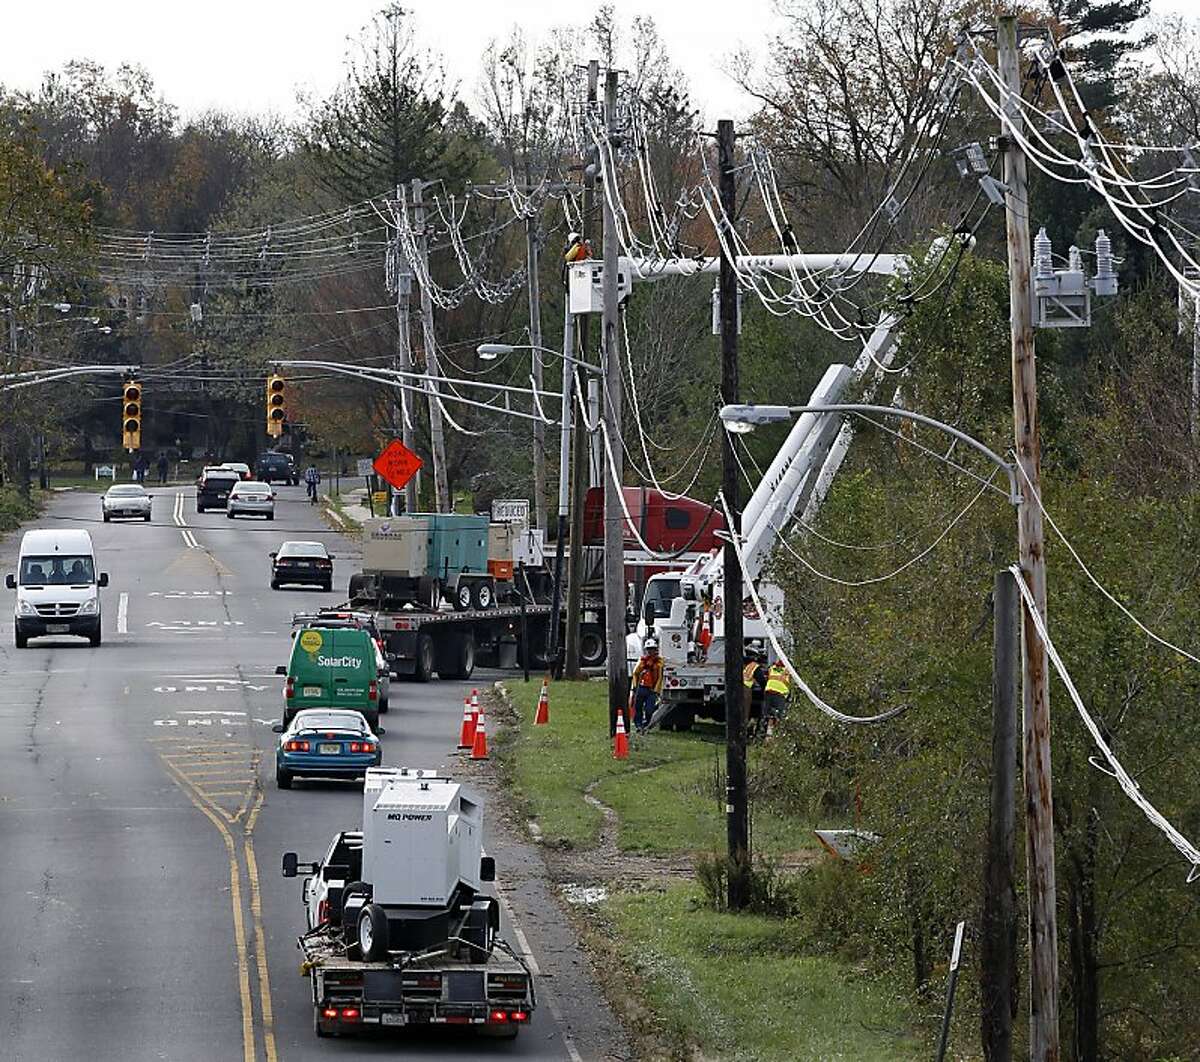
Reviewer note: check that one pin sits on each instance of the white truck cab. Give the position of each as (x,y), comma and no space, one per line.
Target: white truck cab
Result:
(57,585)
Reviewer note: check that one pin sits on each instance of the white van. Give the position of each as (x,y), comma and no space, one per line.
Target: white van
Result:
(58,588)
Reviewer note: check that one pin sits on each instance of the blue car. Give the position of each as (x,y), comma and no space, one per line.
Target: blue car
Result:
(325,743)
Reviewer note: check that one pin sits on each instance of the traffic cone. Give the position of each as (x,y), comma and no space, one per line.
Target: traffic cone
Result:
(621,738)
(479,745)
(466,736)
(542,716)
(475,703)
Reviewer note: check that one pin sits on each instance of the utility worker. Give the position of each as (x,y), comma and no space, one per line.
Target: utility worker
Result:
(647,679)
(779,683)
(577,250)
(754,675)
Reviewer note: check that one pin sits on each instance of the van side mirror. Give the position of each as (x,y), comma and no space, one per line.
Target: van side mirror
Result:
(281,670)
(103,580)
(273,555)
(487,869)
(10,581)
(290,863)
(277,728)
(332,557)
(648,613)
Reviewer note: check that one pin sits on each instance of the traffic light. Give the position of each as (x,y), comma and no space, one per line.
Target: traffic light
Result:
(131,416)
(276,413)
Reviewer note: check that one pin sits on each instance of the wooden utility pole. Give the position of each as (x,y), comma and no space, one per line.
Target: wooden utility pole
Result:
(437,440)
(1039,799)
(535,341)
(401,410)
(614,524)
(737,808)
(998,929)
(580,443)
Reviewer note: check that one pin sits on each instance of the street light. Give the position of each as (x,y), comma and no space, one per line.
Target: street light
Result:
(492,351)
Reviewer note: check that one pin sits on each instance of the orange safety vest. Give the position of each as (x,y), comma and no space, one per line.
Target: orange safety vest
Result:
(748,674)
(778,679)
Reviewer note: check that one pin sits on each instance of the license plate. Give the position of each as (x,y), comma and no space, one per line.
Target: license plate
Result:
(312,691)
(330,750)
(387,1018)
(57,628)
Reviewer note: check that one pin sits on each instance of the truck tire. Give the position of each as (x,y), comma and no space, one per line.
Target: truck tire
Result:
(484,595)
(593,647)
(423,664)
(458,656)
(373,933)
(429,593)
(463,596)
(350,913)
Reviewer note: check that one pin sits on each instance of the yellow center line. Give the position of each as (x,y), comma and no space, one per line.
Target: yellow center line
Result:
(260,942)
(239,929)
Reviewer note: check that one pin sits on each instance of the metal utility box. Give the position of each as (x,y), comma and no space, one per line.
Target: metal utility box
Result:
(396,544)
(426,544)
(422,836)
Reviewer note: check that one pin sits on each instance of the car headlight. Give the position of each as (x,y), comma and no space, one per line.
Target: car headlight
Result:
(90,607)
(25,608)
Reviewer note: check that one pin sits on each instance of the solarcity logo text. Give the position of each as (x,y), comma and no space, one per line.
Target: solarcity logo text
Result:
(339,661)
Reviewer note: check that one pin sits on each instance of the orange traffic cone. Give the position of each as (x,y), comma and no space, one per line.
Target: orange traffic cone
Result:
(542,716)
(475,703)
(466,736)
(479,745)
(621,738)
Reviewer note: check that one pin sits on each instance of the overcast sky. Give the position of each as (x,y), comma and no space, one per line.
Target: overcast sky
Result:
(252,56)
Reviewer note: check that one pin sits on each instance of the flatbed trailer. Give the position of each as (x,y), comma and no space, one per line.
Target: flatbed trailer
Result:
(495,997)
(421,643)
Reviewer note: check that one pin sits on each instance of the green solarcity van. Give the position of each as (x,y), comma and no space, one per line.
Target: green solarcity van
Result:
(332,667)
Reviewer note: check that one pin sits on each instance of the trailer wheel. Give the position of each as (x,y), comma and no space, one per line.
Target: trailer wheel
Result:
(373,933)
(458,656)
(593,649)
(350,915)
(485,594)
(462,596)
(358,582)
(424,664)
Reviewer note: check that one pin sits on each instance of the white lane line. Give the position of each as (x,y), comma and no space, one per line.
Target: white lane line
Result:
(178,512)
(189,539)
(123,614)
(530,958)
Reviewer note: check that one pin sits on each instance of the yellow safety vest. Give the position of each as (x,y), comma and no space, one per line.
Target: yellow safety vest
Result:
(748,673)
(778,679)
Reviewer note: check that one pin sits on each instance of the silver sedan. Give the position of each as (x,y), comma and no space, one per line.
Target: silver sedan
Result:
(125,500)
(251,498)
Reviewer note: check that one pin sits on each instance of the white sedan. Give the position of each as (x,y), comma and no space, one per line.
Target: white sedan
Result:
(125,500)
(251,498)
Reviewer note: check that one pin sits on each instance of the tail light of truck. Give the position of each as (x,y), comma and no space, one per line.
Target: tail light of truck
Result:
(373,691)
(295,746)
(518,1015)
(329,1013)
(350,1014)
(497,1017)
(289,690)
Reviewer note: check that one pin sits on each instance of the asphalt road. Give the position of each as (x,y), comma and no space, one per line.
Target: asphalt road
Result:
(142,913)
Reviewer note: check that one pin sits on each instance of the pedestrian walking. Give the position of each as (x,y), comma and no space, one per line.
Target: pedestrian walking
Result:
(139,468)
(312,479)
(647,680)
(163,465)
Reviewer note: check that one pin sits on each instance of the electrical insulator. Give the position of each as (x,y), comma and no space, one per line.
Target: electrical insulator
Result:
(1105,281)
(1043,261)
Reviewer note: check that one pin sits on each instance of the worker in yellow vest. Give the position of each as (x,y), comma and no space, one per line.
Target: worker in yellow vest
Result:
(779,685)
(754,676)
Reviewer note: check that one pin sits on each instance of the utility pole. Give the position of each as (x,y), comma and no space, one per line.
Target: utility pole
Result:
(403,360)
(737,810)
(535,341)
(614,527)
(580,457)
(1039,800)
(437,441)
(998,929)
(564,481)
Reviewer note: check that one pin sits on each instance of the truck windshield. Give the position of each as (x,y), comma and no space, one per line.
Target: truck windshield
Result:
(57,570)
(660,593)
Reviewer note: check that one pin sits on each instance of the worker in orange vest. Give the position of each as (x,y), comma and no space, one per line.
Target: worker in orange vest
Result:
(647,679)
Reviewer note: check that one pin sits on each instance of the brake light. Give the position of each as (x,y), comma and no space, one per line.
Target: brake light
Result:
(350,1014)
(329,1013)
(373,691)
(519,1015)
(295,746)
(290,690)
(361,746)
(498,1016)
